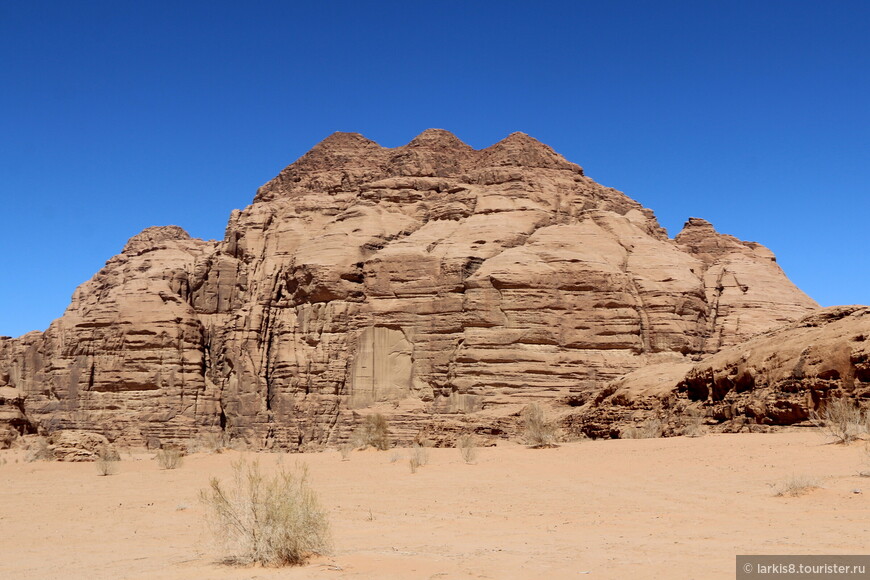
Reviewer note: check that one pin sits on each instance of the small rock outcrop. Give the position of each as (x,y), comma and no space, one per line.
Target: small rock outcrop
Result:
(444,286)
(776,378)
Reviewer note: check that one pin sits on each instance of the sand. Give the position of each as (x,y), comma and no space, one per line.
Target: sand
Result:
(652,508)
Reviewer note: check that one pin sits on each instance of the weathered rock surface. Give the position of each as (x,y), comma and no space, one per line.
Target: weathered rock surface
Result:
(74,445)
(441,285)
(776,378)
(13,420)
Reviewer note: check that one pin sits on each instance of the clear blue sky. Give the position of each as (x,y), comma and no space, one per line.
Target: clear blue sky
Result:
(115,116)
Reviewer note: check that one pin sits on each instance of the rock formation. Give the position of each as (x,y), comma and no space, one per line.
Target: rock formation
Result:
(778,377)
(441,285)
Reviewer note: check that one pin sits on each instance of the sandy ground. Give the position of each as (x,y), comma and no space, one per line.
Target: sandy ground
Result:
(654,508)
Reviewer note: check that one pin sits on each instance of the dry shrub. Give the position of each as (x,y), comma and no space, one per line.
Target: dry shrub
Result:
(8,436)
(651,428)
(630,432)
(693,423)
(107,460)
(467,445)
(841,418)
(796,485)
(169,458)
(420,454)
(538,431)
(344,449)
(38,449)
(418,457)
(274,521)
(373,432)
(212,442)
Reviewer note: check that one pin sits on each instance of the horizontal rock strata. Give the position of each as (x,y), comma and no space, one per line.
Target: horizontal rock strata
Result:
(443,286)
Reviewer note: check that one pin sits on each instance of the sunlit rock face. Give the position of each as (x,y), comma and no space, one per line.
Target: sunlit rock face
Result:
(443,286)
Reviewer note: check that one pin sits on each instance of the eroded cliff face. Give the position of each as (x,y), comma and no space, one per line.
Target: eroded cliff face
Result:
(441,285)
(778,377)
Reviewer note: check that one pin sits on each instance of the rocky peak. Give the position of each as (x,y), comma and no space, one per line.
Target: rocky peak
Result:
(432,153)
(343,161)
(518,149)
(699,237)
(339,151)
(438,140)
(150,237)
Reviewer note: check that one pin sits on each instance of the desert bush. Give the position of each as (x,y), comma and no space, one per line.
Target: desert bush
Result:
(651,428)
(212,442)
(413,464)
(630,432)
(841,419)
(693,423)
(344,449)
(420,454)
(374,432)
(108,452)
(467,445)
(38,449)
(268,520)
(7,437)
(395,456)
(538,431)
(796,485)
(107,460)
(169,458)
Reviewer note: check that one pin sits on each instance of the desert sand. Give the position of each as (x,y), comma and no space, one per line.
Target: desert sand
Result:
(650,508)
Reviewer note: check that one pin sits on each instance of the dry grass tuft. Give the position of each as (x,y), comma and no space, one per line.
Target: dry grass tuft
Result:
(38,449)
(467,445)
(420,453)
(8,436)
(841,419)
(169,458)
(211,442)
(538,432)
(796,485)
(651,428)
(273,521)
(373,432)
(693,425)
(107,461)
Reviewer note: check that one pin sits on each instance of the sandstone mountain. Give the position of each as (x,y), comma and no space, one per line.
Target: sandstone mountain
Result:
(443,286)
